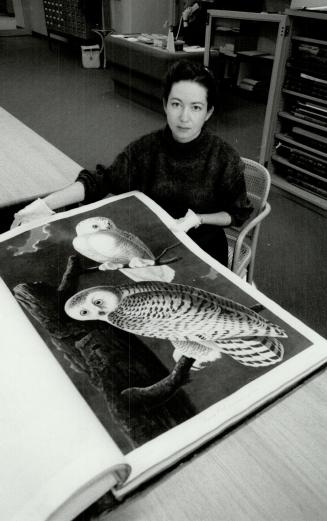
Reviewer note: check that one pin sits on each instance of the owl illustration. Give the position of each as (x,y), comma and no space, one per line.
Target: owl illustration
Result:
(199,324)
(99,239)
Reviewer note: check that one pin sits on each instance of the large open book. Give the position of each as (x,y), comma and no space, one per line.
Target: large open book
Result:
(124,347)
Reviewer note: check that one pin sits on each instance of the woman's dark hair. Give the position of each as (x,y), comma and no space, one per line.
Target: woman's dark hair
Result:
(185,70)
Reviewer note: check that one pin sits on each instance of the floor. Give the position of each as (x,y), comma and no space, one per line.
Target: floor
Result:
(78,111)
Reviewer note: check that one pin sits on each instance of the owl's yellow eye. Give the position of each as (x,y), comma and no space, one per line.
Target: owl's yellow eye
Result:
(98,302)
(83,312)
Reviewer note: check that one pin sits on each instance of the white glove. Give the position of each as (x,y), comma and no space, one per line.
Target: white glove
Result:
(38,209)
(184,224)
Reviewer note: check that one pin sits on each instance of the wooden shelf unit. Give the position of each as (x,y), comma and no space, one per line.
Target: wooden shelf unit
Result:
(296,150)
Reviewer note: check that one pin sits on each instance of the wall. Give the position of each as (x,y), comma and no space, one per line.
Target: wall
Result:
(29,14)
(9,7)
(37,17)
(140,16)
(19,13)
(126,16)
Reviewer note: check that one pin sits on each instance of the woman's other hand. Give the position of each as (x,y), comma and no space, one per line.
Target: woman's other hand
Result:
(184,224)
(38,209)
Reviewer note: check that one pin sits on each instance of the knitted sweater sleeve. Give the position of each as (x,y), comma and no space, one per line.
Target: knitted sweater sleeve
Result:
(236,201)
(116,179)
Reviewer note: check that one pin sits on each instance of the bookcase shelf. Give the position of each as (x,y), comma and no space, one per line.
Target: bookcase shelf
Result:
(307,15)
(243,38)
(296,143)
(249,58)
(300,121)
(298,191)
(284,138)
(296,109)
(311,41)
(304,96)
(279,159)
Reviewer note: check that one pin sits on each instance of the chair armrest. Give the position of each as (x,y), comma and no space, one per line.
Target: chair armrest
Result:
(244,232)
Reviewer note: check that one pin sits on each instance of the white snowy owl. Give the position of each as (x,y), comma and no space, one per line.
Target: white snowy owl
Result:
(199,324)
(99,239)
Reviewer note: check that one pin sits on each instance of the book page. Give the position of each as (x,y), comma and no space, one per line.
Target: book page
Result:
(56,458)
(223,391)
(107,317)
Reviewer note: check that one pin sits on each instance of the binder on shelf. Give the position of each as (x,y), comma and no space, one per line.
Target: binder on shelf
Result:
(307,134)
(304,160)
(300,177)
(295,141)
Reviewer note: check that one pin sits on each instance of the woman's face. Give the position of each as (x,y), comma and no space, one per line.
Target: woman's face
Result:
(187,110)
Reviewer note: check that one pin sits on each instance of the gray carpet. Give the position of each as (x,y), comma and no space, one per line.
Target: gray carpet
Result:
(77,110)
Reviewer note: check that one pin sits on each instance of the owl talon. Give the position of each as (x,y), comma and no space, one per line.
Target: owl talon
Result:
(169,261)
(159,260)
(137,262)
(106,266)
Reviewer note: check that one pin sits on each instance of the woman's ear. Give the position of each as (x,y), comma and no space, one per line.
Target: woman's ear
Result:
(209,113)
(164,104)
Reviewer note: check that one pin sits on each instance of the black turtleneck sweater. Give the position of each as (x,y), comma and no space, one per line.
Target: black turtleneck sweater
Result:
(205,175)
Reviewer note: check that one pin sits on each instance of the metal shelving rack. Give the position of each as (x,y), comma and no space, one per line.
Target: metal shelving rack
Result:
(297,145)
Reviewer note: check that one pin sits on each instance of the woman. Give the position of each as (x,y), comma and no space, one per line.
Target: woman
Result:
(193,174)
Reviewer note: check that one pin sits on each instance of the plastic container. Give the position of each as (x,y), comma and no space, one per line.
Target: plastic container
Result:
(90,56)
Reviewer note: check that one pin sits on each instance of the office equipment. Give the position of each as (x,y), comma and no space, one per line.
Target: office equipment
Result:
(56,453)
(69,19)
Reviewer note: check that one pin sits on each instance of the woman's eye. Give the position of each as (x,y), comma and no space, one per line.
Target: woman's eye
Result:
(98,302)
(83,312)
(197,108)
(95,226)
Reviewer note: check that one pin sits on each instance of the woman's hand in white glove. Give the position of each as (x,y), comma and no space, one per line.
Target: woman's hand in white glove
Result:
(184,224)
(38,209)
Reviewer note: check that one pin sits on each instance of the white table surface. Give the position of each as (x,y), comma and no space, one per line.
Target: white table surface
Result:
(30,166)
(271,468)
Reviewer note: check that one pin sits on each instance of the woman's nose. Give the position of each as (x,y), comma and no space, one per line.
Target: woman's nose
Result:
(184,115)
